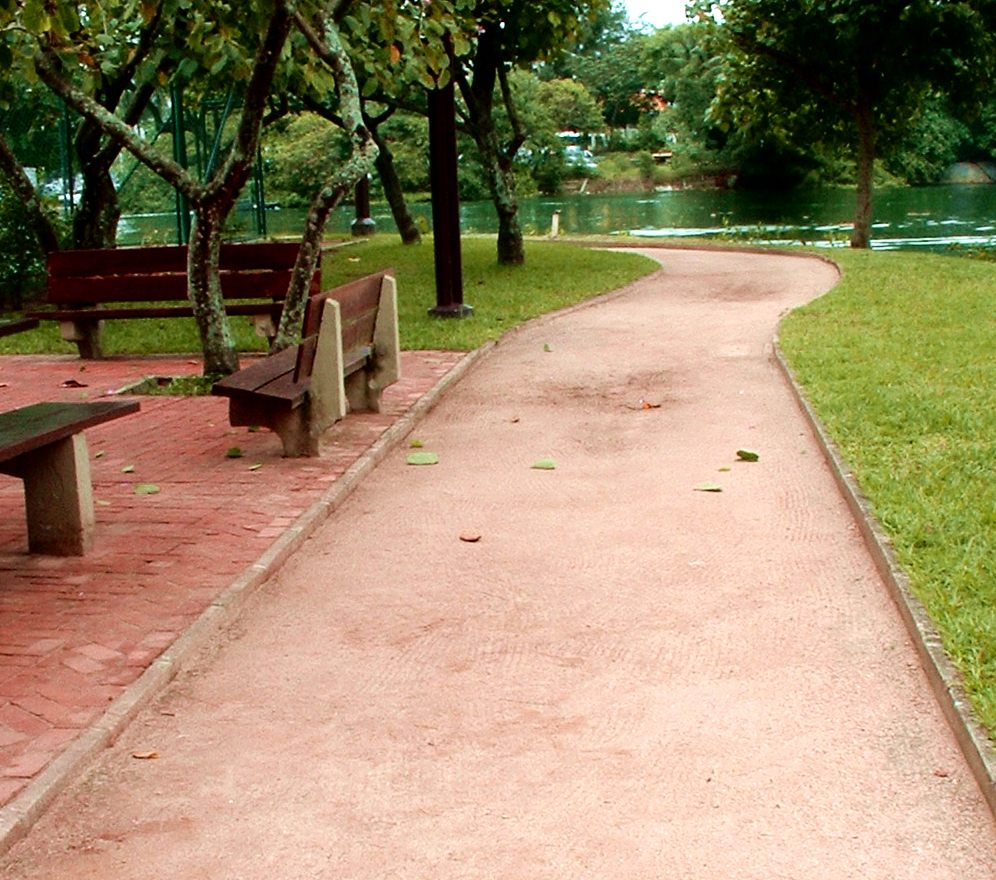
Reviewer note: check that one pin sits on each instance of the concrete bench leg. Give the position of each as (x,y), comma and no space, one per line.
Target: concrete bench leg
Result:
(86,335)
(58,496)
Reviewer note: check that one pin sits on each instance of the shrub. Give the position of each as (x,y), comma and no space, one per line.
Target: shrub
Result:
(22,262)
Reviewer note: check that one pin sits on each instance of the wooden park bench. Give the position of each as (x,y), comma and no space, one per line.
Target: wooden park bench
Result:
(348,354)
(86,287)
(43,445)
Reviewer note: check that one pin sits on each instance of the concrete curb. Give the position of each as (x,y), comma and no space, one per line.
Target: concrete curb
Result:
(17,816)
(944,678)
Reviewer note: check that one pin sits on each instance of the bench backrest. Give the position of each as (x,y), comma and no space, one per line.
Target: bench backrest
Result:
(144,274)
(358,301)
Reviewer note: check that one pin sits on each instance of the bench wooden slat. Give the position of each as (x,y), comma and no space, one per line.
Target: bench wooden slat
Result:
(31,427)
(242,309)
(270,377)
(147,260)
(258,372)
(271,284)
(358,329)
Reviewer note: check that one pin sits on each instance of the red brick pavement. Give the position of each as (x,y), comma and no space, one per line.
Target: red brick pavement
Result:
(75,632)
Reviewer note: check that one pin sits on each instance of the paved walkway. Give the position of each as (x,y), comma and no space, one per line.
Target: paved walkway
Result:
(75,633)
(623,677)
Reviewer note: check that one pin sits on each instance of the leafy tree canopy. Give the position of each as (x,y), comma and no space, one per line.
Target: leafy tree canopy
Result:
(849,71)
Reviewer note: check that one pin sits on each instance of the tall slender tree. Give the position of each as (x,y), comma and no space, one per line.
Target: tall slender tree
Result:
(497,35)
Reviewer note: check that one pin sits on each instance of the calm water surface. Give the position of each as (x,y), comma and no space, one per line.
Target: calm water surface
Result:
(933,218)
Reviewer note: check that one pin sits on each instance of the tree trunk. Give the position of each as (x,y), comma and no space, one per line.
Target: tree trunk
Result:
(501,182)
(95,223)
(865,118)
(204,290)
(479,97)
(393,192)
(21,184)
(332,52)
(501,185)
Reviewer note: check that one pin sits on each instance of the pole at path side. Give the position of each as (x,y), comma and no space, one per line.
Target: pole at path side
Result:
(445,205)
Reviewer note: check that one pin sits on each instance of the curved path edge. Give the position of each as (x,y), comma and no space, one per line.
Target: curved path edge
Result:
(17,816)
(945,680)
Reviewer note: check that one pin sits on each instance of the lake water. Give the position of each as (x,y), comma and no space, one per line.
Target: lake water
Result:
(931,218)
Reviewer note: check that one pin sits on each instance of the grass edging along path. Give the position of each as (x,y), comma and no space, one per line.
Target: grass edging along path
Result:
(899,363)
(554,276)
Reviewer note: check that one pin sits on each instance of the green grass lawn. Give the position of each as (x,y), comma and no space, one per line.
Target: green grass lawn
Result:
(899,360)
(555,275)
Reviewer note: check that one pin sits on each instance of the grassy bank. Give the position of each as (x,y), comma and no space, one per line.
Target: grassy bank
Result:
(899,360)
(553,277)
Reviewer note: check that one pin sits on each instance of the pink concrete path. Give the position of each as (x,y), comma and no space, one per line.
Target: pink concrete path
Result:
(623,677)
(75,632)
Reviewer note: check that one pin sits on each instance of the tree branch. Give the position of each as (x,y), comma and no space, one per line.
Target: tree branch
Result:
(329,49)
(46,65)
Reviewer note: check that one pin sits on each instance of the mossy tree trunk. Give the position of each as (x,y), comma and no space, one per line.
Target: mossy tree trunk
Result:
(478,91)
(204,291)
(328,47)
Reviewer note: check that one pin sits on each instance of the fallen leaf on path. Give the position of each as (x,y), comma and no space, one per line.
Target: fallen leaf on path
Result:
(234,452)
(72,383)
(128,469)
(747,455)
(708,487)
(145,756)
(146,489)
(419,458)
(470,537)
(544,464)
(416,444)
(255,467)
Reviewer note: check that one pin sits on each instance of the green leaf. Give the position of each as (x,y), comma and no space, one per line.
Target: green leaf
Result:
(146,489)
(708,487)
(747,455)
(419,458)
(234,452)
(416,444)
(544,464)
(547,346)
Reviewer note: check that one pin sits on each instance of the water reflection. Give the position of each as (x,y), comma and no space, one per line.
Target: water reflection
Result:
(935,218)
